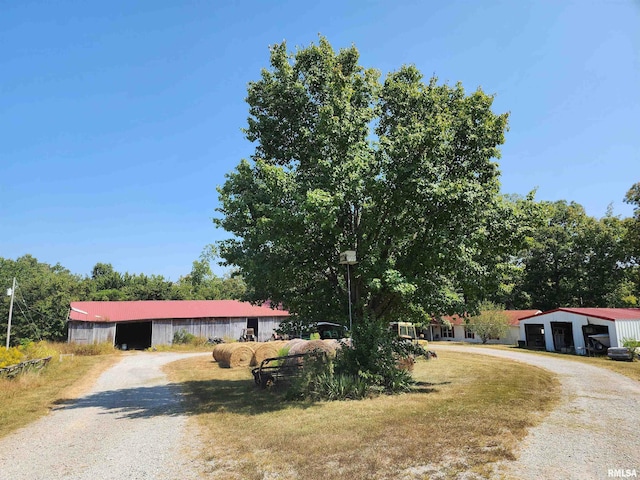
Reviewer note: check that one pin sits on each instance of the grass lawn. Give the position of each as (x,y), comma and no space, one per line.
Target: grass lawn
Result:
(31,395)
(466,413)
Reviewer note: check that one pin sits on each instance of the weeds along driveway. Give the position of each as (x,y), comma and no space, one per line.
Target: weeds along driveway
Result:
(129,426)
(592,434)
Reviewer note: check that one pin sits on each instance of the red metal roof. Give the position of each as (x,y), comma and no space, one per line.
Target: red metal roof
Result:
(514,317)
(612,314)
(167,309)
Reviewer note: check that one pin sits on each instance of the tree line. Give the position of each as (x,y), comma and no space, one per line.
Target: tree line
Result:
(44,292)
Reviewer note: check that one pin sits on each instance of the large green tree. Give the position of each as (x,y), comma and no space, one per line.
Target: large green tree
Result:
(401,171)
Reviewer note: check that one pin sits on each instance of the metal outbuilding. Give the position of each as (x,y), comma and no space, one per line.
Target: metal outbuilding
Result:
(144,324)
(573,330)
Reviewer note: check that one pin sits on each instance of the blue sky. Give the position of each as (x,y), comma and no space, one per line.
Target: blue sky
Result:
(119,119)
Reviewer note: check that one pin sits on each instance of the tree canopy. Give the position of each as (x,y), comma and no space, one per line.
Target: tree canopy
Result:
(401,171)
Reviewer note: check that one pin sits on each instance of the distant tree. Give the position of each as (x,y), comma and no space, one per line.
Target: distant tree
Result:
(632,244)
(575,260)
(490,323)
(42,299)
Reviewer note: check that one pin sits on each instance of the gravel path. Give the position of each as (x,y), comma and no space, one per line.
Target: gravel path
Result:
(130,426)
(594,429)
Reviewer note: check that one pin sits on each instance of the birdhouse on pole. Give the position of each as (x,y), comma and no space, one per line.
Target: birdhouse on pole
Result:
(348,258)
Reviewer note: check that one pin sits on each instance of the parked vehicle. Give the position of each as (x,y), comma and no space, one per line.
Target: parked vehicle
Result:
(404,330)
(247,335)
(328,330)
(621,353)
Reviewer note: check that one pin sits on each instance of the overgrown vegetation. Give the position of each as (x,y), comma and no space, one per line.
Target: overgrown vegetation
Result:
(26,351)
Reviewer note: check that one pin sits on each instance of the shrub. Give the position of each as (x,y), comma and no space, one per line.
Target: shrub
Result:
(40,349)
(633,345)
(182,337)
(378,362)
(13,356)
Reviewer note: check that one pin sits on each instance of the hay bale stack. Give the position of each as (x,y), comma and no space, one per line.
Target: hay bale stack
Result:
(267,350)
(308,346)
(231,355)
(293,342)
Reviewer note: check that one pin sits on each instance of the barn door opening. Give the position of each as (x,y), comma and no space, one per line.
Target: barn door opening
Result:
(133,335)
(562,336)
(253,323)
(534,333)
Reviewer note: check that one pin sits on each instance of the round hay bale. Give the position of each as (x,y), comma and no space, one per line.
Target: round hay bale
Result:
(308,346)
(319,346)
(232,355)
(333,344)
(291,343)
(267,350)
(216,351)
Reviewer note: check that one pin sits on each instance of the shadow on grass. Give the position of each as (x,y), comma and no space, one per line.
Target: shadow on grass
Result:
(426,387)
(188,398)
(196,397)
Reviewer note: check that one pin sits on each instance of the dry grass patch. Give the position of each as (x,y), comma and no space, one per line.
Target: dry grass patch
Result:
(466,413)
(32,395)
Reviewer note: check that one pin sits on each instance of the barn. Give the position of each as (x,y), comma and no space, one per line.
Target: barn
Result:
(144,324)
(571,330)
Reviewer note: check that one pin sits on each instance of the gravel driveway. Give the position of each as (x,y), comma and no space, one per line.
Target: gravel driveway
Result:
(130,426)
(594,429)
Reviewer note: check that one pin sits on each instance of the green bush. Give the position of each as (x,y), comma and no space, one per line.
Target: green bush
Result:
(182,337)
(633,345)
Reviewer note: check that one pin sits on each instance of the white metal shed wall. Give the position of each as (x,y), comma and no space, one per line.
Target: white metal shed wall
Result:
(627,329)
(577,322)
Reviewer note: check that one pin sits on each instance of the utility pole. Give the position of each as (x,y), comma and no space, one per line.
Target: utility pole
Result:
(13,294)
(348,258)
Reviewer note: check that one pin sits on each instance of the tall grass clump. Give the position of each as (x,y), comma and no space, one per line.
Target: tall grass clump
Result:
(86,349)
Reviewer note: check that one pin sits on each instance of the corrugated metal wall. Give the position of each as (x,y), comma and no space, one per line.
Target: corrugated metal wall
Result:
(627,329)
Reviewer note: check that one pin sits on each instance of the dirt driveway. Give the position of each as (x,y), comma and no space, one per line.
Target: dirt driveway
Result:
(129,426)
(594,433)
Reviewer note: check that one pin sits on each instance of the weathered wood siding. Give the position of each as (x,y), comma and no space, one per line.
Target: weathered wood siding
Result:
(162,331)
(227,328)
(91,332)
